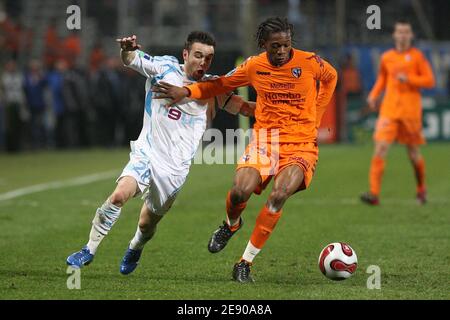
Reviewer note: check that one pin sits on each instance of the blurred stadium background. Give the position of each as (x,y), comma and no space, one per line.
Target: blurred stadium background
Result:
(67,89)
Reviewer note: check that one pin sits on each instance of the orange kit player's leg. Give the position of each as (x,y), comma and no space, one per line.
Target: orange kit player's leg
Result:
(386,132)
(286,183)
(248,179)
(411,135)
(296,167)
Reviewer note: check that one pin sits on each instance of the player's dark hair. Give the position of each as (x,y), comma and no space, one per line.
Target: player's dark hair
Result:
(402,21)
(272,25)
(201,37)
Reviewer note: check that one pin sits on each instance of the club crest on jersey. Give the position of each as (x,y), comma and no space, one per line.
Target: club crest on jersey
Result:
(296,72)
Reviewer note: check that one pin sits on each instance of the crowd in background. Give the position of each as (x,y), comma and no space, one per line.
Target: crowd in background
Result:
(55,103)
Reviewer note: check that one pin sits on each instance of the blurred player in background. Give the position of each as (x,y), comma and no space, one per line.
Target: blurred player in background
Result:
(161,156)
(288,101)
(404,70)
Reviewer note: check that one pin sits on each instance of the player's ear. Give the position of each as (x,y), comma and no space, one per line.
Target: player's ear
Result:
(263,45)
(185,54)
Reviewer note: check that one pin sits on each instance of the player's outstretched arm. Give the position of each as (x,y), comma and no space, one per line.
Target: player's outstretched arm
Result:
(235,104)
(128,46)
(166,90)
(203,90)
(248,108)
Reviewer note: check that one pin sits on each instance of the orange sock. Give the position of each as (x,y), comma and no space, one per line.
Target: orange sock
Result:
(376,175)
(419,169)
(265,223)
(234,211)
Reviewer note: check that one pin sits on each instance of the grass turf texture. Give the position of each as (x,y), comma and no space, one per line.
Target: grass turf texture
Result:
(408,242)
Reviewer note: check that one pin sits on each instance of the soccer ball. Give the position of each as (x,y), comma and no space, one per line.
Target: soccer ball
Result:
(338,261)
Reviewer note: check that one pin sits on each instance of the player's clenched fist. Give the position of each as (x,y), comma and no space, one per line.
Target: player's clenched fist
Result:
(129,43)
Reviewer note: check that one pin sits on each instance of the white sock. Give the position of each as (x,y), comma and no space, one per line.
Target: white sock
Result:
(250,252)
(104,219)
(140,239)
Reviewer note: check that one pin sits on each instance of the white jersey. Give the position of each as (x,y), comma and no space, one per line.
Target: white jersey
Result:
(161,156)
(169,137)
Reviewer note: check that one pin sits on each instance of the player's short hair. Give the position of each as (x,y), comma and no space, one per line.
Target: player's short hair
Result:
(272,25)
(402,21)
(201,37)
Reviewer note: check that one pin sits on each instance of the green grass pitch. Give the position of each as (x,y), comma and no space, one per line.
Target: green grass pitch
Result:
(410,243)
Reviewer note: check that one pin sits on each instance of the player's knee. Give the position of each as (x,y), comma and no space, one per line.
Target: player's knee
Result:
(277,199)
(414,154)
(381,151)
(118,198)
(239,194)
(146,227)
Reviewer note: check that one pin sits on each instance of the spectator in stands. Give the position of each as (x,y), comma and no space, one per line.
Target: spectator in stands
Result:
(108,104)
(11,86)
(132,110)
(55,81)
(71,48)
(76,97)
(52,45)
(34,85)
(97,57)
(349,92)
(350,78)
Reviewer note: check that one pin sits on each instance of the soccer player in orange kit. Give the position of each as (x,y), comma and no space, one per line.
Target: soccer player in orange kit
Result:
(290,103)
(404,70)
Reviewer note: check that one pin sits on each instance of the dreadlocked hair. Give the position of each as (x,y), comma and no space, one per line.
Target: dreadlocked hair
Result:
(272,25)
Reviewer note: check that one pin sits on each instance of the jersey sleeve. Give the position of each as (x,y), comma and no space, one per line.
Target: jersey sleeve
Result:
(425,77)
(380,84)
(237,77)
(326,74)
(150,66)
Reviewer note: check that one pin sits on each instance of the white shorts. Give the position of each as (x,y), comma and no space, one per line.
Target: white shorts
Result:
(158,188)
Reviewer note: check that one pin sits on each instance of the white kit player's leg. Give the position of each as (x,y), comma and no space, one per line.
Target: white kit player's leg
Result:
(160,196)
(146,228)
(104,219)
(107,215)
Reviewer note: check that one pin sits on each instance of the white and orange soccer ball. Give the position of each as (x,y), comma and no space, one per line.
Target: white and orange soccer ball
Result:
(338,261)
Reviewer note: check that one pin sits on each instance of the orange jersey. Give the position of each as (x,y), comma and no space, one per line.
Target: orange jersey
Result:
(287,96)
(402,100)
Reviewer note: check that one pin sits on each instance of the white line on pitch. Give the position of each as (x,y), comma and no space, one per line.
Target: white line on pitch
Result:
(78,181)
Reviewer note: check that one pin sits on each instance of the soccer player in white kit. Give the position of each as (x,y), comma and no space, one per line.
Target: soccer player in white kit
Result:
(161,156)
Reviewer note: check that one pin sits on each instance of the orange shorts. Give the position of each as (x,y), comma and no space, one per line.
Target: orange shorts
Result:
(270,160)
(405,131)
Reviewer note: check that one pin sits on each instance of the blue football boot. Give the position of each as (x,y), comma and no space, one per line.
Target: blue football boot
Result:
(80,258)
(130,261)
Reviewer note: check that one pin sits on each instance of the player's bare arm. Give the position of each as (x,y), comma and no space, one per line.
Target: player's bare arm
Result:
(128,46)
(169,91)
(372,104)
(248,108)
